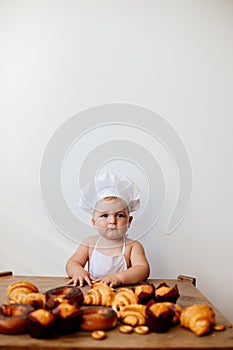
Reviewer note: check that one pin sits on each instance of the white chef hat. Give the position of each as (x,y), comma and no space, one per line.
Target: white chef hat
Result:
(106,185)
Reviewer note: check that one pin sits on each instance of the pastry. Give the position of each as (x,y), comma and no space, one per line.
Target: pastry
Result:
(166,293)
(70,294)
(198,318)
(37,300)
(98,318)
(133,315)
(16,290)
(98,335)
(141,329)
(159,316)
(124,296)
(13,318)
(21,284)
(68,318)
(41,324)
(176,318)
(126,329)
(99,294)
(145,292)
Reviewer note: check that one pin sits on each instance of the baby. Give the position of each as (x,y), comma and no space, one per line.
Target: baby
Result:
(112,258)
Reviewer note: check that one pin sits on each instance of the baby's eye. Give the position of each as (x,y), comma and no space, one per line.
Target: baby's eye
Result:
(121,215)
(104,216)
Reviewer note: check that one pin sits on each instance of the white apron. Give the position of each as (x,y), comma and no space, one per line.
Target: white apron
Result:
(102,265)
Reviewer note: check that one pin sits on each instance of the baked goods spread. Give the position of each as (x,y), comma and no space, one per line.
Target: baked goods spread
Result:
(66,310)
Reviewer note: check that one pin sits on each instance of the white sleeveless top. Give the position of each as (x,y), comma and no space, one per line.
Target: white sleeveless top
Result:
(102,265)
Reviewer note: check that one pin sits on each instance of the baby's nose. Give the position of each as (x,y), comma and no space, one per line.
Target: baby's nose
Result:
(112,219)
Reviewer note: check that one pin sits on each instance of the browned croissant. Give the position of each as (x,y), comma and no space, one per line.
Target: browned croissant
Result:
(37,300)
(124,296)
(16,290)
(99,294)
(133,314)
(198,318)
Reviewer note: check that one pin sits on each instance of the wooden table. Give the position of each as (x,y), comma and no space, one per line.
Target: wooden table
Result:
(176,338)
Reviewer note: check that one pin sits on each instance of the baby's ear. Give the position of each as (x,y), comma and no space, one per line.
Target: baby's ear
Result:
(130,219)
(93,222)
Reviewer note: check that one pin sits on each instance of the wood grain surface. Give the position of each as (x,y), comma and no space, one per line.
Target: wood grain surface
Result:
(176,338)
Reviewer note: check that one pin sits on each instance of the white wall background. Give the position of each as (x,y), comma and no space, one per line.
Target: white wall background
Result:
(174,57)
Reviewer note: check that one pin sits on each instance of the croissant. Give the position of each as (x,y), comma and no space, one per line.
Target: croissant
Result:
(198,318)
(37,300)
(16,290)
(99,294)
(124,296)
(133,315)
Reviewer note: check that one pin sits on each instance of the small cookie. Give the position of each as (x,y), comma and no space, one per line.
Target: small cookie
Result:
(126,329)
(219,327)
(141,329)
(98,335)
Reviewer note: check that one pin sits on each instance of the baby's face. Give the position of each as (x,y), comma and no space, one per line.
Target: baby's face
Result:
(111,218)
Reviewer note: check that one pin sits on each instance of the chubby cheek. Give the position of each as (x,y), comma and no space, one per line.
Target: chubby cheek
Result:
(98,223)
(124,224)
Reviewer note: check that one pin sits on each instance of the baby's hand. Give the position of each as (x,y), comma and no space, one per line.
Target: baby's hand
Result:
(80,278)
(111,280)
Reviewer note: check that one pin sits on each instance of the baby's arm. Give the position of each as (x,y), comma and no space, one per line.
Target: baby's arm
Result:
(75,266)
(139,270)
